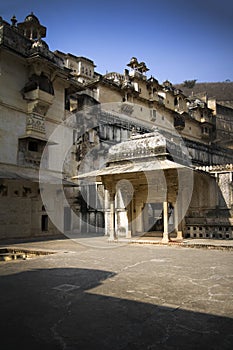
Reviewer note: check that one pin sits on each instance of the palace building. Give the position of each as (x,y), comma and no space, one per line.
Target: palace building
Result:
(118,154)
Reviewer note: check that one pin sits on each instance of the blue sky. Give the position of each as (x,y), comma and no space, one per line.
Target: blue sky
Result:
(177,39)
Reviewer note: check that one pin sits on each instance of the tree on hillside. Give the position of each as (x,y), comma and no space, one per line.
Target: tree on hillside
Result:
(189,83)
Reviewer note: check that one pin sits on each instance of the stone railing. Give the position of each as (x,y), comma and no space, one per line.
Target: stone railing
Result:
(216,168)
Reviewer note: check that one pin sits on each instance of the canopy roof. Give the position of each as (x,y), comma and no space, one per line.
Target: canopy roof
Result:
(131,167)
(140,154)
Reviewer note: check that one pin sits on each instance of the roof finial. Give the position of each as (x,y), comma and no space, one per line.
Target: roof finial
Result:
(13,21)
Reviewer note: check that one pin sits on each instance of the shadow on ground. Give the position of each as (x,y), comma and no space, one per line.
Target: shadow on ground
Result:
(56,309)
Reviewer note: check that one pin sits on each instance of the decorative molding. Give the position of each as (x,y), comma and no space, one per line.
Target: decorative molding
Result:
(35,123)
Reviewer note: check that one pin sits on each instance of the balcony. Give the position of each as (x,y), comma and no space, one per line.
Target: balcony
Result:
(38,100)
(179,122)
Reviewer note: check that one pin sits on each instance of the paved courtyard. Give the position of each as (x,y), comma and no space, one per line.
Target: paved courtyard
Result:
(118,297)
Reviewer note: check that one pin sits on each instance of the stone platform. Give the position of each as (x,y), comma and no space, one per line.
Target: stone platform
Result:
(124,297)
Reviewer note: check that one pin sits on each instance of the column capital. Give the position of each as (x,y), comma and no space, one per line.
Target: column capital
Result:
(112,194)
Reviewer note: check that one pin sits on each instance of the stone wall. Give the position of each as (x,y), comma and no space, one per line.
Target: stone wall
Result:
(22,213)
(210,211)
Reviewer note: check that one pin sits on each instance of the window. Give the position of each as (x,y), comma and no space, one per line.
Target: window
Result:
(67,100)
(91,135)
(153,115)
(205,130)
(33,146)
(44,223)
(74,136)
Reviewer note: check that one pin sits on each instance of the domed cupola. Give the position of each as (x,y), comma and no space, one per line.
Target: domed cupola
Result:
(32,19)
(31,28)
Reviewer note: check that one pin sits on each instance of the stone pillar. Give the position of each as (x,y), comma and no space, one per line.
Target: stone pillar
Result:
(165,238)
(216,189)
(112,216)
(145,218)
(106,211)
(129,216)
(179,235)
(175,213)
(139,219)
(128,229)
(133,216)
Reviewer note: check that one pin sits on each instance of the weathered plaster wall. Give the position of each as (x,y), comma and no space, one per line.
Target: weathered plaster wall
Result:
(12,126)
(13,78)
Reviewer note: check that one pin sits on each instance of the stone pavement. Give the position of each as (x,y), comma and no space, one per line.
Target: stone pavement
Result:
(97,241)
(120,296)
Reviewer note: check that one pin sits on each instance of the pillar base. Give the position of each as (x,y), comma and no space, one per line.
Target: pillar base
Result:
(128,234)
(112,235)
(179,235)
(165,238)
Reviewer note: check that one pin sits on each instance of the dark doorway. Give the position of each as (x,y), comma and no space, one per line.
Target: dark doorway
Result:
(44,223)
(67,219)
(155,216)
